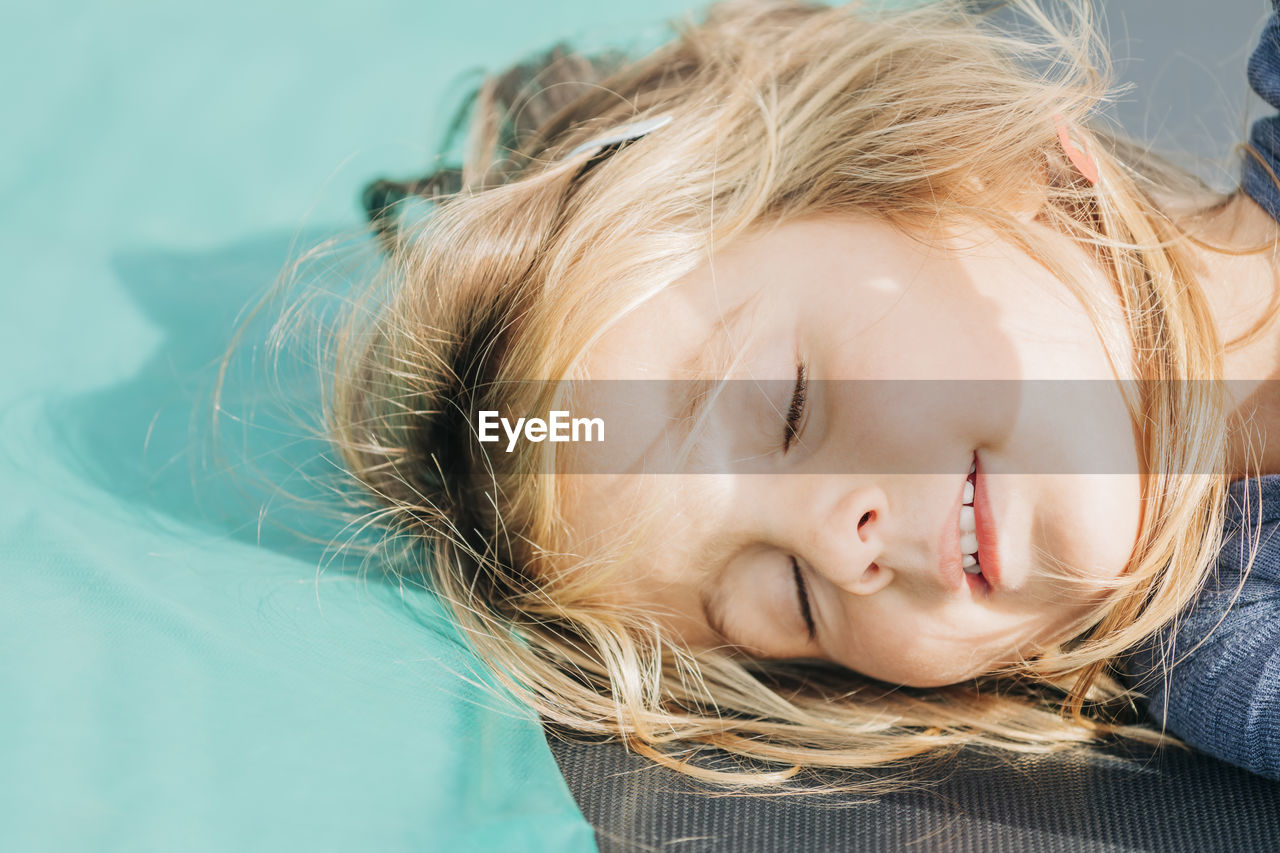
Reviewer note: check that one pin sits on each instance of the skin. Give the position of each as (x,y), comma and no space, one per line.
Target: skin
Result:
(865,499)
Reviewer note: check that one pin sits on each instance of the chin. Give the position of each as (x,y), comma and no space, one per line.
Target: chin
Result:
(938,681)
(937,676)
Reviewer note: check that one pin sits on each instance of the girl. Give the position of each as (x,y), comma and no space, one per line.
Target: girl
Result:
(741,255)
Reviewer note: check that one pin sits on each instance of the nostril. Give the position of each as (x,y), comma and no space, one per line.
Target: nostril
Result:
(867,518)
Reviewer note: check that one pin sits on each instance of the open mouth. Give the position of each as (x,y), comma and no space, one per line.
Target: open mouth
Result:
(970,555)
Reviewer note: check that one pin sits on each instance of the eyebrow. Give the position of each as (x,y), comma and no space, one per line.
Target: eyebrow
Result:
(696,395)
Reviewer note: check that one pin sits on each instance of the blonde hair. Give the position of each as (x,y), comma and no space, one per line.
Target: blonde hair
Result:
(780,110)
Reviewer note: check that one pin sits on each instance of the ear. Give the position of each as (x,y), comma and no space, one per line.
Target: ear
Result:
(1029,202)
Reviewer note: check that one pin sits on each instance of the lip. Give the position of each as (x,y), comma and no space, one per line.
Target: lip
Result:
(988,544)
(951,565)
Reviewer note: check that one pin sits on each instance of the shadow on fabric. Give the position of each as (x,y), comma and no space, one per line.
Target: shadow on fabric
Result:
(256,468)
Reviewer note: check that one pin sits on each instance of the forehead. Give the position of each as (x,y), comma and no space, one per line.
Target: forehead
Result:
(698,320)
(820,258)
(676,333)
(652,371)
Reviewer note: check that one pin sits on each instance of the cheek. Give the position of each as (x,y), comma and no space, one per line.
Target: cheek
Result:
(1097,525)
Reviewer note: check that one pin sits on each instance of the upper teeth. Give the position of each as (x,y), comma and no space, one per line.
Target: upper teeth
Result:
(969,529)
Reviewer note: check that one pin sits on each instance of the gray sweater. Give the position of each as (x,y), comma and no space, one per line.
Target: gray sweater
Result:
(1223,693)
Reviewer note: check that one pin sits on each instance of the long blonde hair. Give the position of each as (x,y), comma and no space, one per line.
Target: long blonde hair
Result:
(780,110)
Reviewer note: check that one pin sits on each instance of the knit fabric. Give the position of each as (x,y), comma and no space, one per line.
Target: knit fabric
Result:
(1259,178)
(1214,679)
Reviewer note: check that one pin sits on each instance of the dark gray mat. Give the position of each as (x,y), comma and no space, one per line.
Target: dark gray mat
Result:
(1125,799)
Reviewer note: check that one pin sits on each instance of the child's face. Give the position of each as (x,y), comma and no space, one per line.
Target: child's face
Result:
(860,518)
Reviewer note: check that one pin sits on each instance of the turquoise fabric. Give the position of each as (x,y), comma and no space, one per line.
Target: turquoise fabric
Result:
(179,670)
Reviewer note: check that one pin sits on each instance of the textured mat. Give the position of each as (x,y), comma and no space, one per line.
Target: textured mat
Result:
(1127,799)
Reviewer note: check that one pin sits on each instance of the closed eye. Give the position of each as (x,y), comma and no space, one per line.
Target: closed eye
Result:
(795,410)
(802,593)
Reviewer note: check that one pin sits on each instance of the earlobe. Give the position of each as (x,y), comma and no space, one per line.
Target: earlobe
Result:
(1029,203)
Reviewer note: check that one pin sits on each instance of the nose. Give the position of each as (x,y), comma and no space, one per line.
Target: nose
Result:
(844,538)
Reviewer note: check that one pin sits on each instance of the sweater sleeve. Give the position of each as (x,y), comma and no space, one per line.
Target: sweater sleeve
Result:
(1256,176)
(1224,698)
(1213,677)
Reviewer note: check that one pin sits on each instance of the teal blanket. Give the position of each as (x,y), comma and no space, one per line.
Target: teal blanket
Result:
(180,670)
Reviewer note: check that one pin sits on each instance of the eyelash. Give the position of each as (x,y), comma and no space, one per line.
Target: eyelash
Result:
(802,594)
(795,411)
